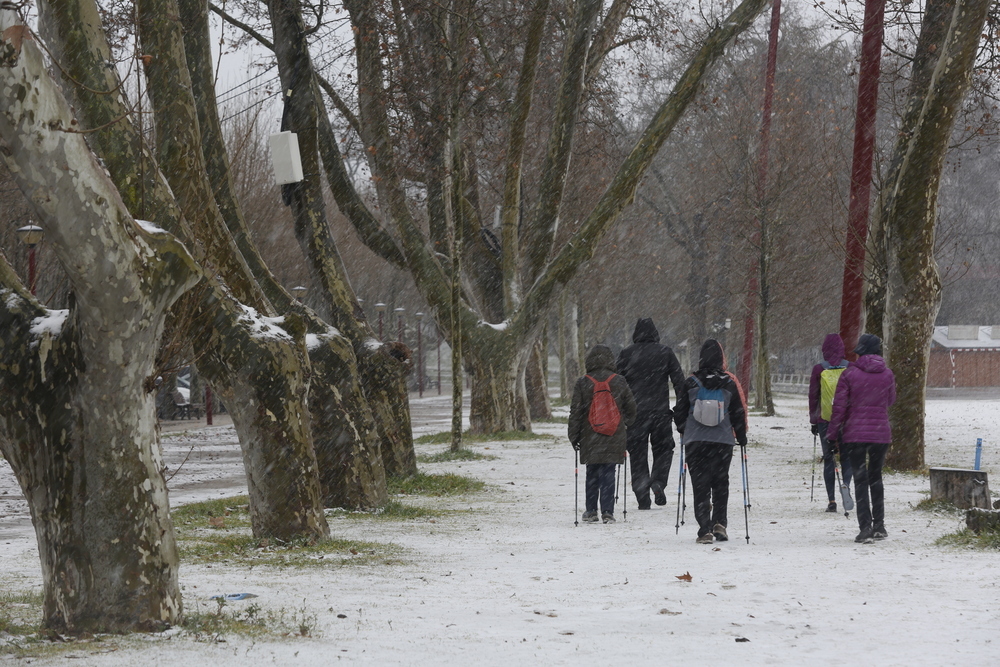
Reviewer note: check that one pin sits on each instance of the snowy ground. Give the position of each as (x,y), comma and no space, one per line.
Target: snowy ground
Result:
(511,579)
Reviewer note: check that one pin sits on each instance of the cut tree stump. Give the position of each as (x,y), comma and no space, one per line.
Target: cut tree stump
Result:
(979,520)
(962,488)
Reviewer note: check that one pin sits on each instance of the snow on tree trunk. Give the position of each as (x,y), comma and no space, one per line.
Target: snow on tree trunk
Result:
(79,421)
(944,58)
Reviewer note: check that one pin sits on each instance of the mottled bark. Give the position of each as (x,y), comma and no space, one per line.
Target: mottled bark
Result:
(76,38)
(945,55)
(536,383)
(381,374)
(78,426)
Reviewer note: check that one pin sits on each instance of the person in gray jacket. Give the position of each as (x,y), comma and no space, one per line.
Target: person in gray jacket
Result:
(708,449)
(600,453)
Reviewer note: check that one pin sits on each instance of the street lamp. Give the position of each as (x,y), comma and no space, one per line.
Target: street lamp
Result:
(31,235)
(380,308)
(420,356)
(299,291)
(399,318)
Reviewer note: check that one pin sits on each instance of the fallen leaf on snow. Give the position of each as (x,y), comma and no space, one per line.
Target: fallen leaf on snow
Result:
(667,612)
(742,639)
(684,577)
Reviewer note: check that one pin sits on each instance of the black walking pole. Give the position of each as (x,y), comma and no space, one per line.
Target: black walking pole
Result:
(746,475)
(576,487)
(625,495)
(845,493)
(680,484)
(812,486)
(746,492)
(684,489)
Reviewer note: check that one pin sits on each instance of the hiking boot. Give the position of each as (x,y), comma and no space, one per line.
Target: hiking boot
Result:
(591,516)
(607,517)
(720,533)
(832,507)
(878,532)
(865,536)
(644,502)
(659,497)
(707,538)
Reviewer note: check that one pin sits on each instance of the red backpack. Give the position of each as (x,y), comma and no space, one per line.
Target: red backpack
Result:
(604,414)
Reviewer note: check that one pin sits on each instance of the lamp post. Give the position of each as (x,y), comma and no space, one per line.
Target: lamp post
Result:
(420,356)
(399,315)
(31,235)
(437,337)
(380,308)
(299,291)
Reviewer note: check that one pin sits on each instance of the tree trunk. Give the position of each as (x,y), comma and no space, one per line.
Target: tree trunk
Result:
(536,385)
(78,426)
(499,400)
(945,55)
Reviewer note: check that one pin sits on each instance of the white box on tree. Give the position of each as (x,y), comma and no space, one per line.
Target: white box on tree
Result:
(285,157)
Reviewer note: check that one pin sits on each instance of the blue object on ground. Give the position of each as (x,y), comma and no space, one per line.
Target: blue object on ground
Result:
(233,597)
(979,452)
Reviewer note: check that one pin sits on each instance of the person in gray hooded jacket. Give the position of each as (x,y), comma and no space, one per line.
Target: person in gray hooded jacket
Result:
(600,453)
(708,450)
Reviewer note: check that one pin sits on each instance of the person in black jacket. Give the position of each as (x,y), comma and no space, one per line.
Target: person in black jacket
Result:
(708,447)
(649,368)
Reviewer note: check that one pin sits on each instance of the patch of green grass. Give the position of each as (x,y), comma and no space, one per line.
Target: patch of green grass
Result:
(20,613)
(559,402)
(986,540)
(249,620)
(937,507)
(468,436)
(231,512)
(434,485)
(392,511)
(218,531)
(449,455)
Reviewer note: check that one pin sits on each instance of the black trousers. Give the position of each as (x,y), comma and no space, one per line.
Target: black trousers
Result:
(601,487)
(867,459)
(650,429)
(708,463)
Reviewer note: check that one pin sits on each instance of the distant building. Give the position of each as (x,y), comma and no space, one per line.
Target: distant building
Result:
(965,356)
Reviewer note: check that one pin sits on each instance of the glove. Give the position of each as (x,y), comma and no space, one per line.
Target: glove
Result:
(576,446)
(815,429)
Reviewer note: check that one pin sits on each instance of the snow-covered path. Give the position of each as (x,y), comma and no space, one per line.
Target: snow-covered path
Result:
(510,579)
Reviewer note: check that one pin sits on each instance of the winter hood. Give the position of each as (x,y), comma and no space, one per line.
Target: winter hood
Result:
(712,356)
(868,344)
(600,357)
(645,331)
(871,363)
(833,350)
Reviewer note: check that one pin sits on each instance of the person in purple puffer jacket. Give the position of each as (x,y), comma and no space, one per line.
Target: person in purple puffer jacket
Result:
(833,359)
(860,423)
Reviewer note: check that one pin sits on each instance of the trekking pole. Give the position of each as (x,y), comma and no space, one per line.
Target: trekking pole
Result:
(746,492)
(576,488)
(812,487)
(680,482)
(684,488)
(618,483)
(625,494)
(746,475)
(845,493)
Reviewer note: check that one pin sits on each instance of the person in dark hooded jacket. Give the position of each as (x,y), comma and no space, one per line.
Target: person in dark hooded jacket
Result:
(650,368)
(708,449)
(860,422)
(819,413)
(600,453)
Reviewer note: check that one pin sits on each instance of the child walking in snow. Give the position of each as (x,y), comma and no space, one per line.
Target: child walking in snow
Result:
(601,453)
(708,436)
